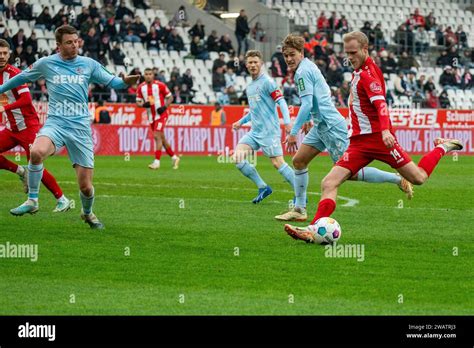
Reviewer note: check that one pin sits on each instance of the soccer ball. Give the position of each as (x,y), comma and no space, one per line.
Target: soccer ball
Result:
(326,231)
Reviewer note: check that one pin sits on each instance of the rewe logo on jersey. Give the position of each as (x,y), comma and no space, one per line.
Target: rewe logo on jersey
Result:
(68,79)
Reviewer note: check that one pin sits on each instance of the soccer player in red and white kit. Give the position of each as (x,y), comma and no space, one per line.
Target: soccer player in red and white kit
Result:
(156,97)
(21,128)
(371,135)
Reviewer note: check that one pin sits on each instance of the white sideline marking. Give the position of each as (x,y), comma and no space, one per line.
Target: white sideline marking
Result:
(350,202)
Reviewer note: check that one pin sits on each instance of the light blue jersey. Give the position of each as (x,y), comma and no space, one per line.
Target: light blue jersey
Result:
(68,83)
(310,81)
(264,95)
(68,122)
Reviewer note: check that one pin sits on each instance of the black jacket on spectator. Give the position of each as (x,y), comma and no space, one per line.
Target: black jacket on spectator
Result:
(212,43)
(226,46)
(44,19)
(152,41)
(175,43)
(117,56)
(218,81)
(389,65)
(197,30)
(122,11)
(447,79)
(32,43)
(241,26)
(24,11)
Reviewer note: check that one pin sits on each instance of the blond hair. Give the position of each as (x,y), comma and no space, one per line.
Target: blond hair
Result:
(359,36)
(293,41)
(254,53)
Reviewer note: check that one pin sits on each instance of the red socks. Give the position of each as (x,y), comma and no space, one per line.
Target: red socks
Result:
(431,159)
(169,151)
(8,165)
(325,209)
(51,184)
(158,154)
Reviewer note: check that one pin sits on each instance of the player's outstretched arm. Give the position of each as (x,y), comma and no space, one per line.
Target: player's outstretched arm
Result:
(24,99)
(242,121)
(16,81)
(304,114)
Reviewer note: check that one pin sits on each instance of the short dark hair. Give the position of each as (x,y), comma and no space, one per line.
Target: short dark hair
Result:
(4,43)
(148,69)
(63,30)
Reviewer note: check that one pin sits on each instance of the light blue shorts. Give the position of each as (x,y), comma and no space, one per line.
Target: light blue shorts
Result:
(271,146)
(335,140)
(78,142)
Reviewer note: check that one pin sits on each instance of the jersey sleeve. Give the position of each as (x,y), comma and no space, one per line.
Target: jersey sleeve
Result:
(274,91)
(164,90)
(139,96)
(100,74)
(373,87)
(31,74)
(304,83)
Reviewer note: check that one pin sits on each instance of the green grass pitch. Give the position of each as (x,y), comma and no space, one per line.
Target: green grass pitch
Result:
(182,229)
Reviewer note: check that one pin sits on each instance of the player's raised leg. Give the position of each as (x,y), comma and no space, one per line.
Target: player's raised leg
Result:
(377,176)
(169,150)
(419,174)
(86,192)
(42,148)
(240,159)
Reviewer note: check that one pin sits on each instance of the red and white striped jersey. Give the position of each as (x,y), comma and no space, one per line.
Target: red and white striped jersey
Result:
(19,109)
(155,93)
(367,86)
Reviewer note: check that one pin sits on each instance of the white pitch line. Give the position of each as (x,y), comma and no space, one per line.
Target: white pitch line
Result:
(350,202)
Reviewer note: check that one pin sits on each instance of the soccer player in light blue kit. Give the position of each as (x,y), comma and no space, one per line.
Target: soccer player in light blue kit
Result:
(328,132)
(67,77)
(264,96)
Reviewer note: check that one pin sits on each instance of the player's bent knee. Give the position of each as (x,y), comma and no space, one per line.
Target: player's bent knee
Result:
(299,164)
(420,178)
(37,155)
(86,189)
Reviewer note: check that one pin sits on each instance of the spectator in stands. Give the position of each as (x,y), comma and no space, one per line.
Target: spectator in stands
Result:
(180,18)
(219,62)
(367,30)
(422,40)
(430,22)
(197,30)
(432,101)
(175,73)
(289,89)
(213,42)
(93,10)
(19,38)
(82,17)
(439,35)
(218,79)
(161,76)
(152,40)
(142,4)
(443,59)
(92,44)
(467,81)
(139,28)
(461,37)
(241,31)
(388,63)
(450,37)
(416,20)
(6,36)
(333,21)
(429,86)
(132,35)
(411,83)
(117,54)
(230,78)
(345,90)
(44,19)
(108,11)
(23,11)
(400,85)
(342,25)
(123,10)
(404,37)
(322,23)
(278,67)
(218,116)
(453,56)
(226,44)
(418,99)
(33,42)
(334,77)
(257,32)
(175,41)
(101,113)
(58,19)
(28,56)
(447,79)
(16,56)
(185,94)
(187,79)
(420,83)
(379,39)
(111,29)
(444,100)
(198,50)
(104,49)
(406,62)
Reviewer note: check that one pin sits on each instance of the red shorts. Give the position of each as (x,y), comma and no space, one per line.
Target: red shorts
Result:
(158,125)
(365,148)
(24,138)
